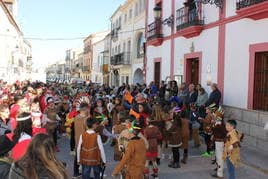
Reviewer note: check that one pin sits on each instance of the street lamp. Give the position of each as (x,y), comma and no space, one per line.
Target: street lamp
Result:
(157,12)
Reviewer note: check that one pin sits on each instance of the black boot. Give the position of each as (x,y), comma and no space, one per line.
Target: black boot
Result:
(176,165)
(184,159)
(171,164)
(158,161)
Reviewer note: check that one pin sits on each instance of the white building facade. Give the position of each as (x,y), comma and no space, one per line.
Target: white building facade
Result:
(127,39)
(15,51)
(225,43)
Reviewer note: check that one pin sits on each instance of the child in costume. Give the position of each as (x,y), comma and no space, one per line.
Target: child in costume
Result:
(159,121)
(231,152)
(153,135)
(50,118)
(79,128)
(117,129)
(90,152)
(207,128)
(175,138)
(134,158)
(185,136)
(218,136)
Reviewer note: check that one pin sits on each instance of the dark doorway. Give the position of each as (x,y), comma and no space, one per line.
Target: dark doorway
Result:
(260,96)
(157,73)
(192,71)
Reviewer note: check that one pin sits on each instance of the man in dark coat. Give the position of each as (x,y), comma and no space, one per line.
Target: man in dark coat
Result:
(215,96)
(162,90)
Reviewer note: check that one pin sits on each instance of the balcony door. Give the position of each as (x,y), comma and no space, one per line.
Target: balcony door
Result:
(260,95)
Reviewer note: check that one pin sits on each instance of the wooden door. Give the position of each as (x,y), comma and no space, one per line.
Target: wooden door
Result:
(157,73)
(194,71)
(260,96)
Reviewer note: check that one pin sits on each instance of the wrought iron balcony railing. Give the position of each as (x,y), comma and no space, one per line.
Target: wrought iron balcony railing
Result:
(187,17)
(121,59)
(155,30)
(86,68)
(247,3)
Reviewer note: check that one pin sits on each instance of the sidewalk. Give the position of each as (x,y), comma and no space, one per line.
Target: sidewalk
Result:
(254,158)
(254,163)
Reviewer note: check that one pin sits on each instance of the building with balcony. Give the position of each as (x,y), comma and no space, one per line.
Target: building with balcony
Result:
(127,42)
(98,59)
(88,52)
(224,42)
(15,50)
(106,60)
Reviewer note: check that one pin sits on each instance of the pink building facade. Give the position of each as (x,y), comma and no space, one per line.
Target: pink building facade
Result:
(224,42)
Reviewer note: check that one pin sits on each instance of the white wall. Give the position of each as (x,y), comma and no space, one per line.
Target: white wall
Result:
(207,43)
(98,48)
(162,52)
(11,46)
(239,35)
(230,8)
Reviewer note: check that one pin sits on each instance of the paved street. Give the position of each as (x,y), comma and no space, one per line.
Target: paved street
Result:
(197,167)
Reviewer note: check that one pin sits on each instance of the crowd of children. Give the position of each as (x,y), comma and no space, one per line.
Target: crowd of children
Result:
(140,122)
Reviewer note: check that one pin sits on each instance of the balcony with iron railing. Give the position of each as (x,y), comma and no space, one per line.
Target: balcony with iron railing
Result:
(154,33)
(114,34)
(189,22)
(121,59)
(253,9)
(85,68)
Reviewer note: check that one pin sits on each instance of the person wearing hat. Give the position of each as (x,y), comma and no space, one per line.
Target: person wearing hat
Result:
(207,128)
(135,156)
(218,135)
(22,135)
(6,146)
(50,118)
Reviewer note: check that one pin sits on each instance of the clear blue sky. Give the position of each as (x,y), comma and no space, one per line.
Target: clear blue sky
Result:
(62,19)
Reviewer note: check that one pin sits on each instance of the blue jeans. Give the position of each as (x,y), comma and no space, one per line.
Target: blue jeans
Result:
(230,168)
(86,170)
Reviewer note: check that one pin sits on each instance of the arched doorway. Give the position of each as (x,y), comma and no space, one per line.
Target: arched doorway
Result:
(138,77)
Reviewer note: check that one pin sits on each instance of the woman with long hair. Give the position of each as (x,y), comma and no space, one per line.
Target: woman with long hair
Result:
(22,135)
(39,161)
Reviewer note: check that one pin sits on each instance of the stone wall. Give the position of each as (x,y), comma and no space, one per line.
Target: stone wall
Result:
(251,123)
